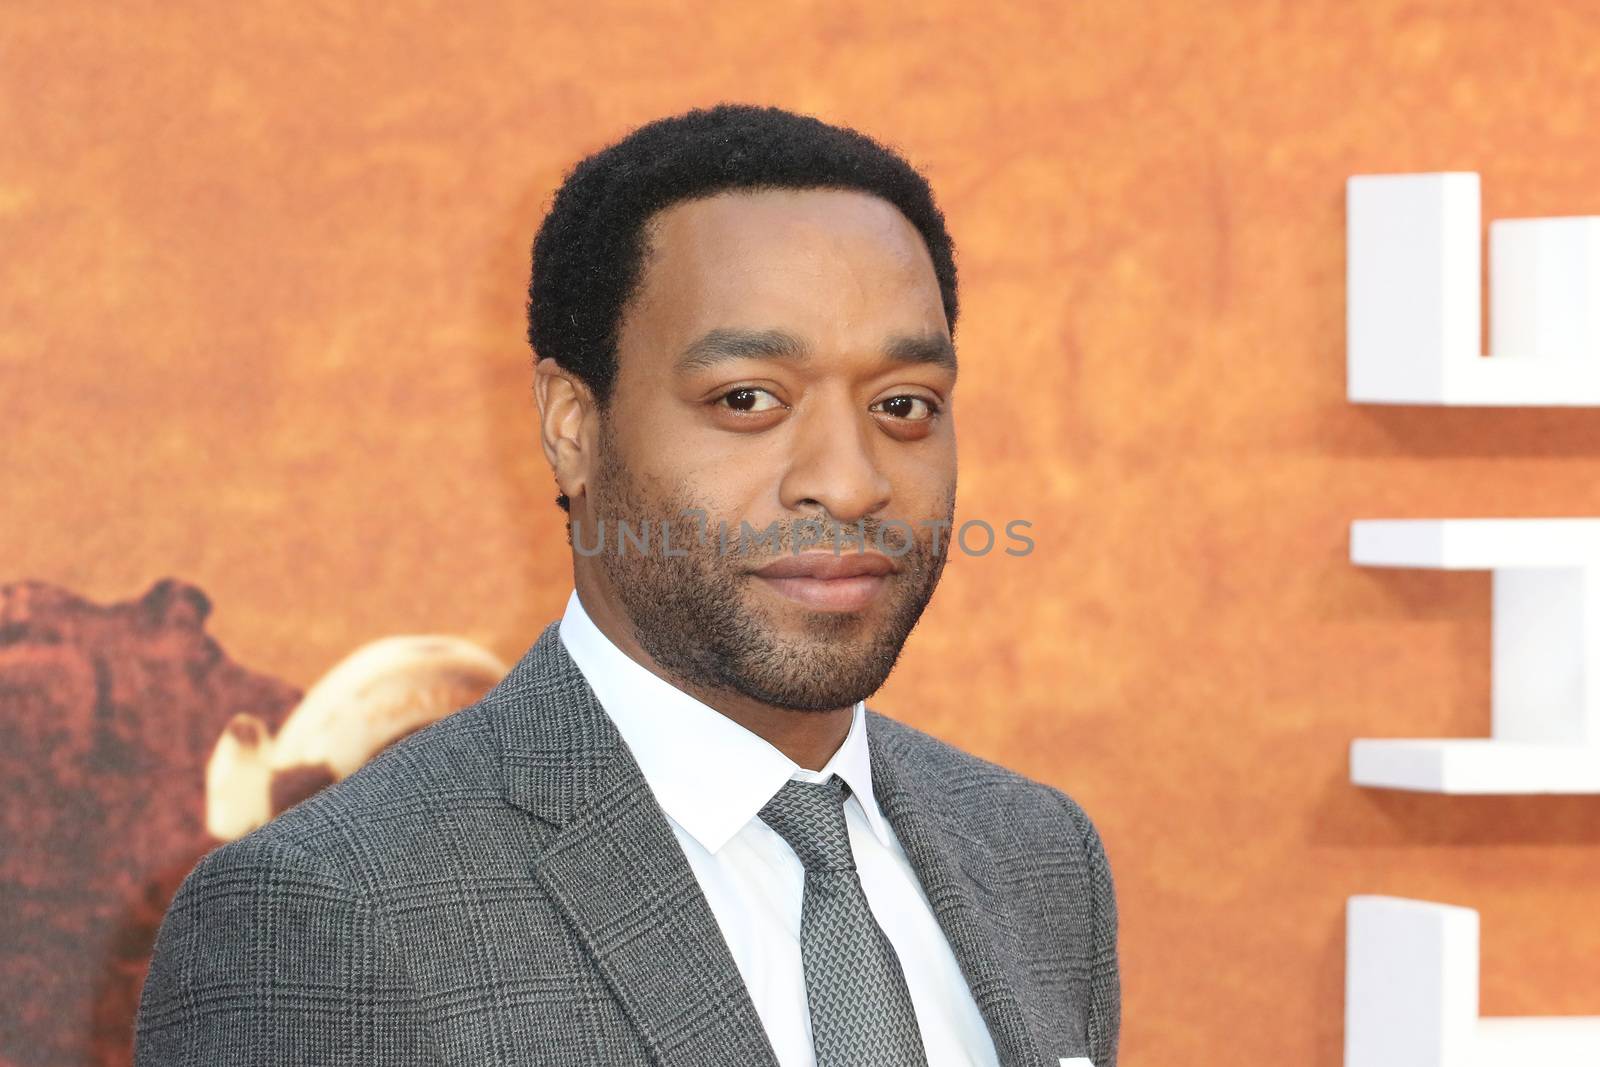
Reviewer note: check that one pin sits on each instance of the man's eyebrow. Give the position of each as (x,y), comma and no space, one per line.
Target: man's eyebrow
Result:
(721,345)
(932,348)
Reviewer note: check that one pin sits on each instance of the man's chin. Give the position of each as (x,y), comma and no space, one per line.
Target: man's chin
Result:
(814,693)
(823,660)
(797,622)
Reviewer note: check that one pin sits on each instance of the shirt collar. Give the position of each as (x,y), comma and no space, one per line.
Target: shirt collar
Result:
(708,772)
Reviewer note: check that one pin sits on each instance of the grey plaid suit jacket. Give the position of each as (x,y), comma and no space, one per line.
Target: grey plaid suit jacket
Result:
(503,888)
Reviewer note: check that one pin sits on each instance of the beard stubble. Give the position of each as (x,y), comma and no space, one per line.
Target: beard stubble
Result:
(696,614)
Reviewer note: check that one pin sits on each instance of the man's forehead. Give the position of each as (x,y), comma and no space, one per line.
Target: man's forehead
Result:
(763,220)
(776,255)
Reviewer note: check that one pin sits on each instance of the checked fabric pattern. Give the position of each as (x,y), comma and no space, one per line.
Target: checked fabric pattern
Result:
(502,888)
(861,1011)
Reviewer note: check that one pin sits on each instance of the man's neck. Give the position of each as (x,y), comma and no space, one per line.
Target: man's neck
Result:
(810,738)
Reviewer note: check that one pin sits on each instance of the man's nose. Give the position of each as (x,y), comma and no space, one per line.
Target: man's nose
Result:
(835,465)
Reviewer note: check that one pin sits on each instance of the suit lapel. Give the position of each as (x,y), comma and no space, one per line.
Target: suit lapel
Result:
(616,870)
(957,872)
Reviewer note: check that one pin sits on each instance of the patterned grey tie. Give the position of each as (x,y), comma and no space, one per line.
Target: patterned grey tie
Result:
(861,1012)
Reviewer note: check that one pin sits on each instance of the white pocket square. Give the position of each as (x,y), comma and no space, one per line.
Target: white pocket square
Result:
(1076,1061)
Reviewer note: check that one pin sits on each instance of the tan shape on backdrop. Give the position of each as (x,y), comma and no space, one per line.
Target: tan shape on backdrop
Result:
(373,697)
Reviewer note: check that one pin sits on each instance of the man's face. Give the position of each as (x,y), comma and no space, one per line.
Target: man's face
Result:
(784,366)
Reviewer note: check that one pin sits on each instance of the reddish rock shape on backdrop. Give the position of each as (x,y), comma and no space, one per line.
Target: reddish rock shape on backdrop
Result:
(107,717)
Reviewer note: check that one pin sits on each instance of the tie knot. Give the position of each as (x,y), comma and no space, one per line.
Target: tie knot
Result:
(810,817)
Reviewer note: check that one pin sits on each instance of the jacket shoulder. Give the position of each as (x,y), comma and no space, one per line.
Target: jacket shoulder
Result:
(973,776)
(392,804)
(267,955)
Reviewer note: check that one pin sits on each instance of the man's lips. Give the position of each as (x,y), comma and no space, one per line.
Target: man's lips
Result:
(829,566)
(825,581)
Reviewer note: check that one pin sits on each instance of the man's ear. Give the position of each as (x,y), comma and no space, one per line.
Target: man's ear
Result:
(567,414)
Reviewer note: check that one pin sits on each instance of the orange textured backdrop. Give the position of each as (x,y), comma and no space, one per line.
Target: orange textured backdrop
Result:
(261,282)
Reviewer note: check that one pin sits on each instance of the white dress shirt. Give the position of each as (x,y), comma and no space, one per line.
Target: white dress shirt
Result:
(711,776)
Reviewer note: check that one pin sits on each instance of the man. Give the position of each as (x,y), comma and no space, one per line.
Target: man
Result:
(673,834)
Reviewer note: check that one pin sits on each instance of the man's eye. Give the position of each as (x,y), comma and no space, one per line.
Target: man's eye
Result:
(910,408)
(748,399)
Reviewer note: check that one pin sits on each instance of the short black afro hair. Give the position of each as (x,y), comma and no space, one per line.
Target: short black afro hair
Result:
(587,255)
